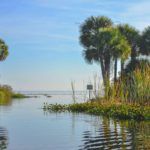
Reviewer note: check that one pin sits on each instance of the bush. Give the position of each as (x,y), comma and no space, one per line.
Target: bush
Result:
(5,94)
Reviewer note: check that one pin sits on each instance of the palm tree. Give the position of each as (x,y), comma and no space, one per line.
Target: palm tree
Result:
(3,50)
(102,42)
(118,46)
(133,37)
(90,40)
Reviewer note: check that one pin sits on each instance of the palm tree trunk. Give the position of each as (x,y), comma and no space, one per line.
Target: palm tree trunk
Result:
(115,70)
(122,67)
(107,71)
(102,70)
(133,54)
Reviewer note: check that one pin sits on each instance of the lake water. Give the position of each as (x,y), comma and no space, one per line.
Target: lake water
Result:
(25,126)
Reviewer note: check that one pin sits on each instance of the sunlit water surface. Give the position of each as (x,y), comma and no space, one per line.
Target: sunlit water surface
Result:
(25,126)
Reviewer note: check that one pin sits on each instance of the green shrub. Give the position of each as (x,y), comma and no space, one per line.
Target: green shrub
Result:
(5,94)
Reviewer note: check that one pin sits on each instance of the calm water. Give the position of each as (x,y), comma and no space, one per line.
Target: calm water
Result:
(25,126)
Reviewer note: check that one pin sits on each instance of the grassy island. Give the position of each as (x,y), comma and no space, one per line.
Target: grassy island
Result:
(127,98)
(19,96)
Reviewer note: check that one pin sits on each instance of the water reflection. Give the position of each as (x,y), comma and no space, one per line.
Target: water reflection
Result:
(5,101)
(112,134)
(29,129)
(3,138)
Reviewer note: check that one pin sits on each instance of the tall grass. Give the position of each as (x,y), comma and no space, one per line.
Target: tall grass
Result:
(133,87)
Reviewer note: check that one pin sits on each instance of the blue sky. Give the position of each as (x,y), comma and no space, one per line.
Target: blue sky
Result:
(42,35)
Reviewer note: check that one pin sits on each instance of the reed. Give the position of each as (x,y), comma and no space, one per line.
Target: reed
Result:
(73,91)
(133,87)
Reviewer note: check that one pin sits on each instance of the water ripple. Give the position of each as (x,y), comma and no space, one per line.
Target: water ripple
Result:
(114,137)
(3,138)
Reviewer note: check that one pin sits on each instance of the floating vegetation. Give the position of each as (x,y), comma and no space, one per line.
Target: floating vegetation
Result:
(120,111)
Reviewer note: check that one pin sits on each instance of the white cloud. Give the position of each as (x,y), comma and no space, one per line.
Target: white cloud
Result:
(137,14)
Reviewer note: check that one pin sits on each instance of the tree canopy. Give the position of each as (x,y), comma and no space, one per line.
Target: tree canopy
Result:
(3,50)
(133,37)
(145,41)
(102,42)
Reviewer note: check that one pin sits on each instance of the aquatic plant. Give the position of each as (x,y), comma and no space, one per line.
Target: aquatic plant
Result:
(121,111)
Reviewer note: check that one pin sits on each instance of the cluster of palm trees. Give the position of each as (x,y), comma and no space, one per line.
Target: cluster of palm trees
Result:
(105,42)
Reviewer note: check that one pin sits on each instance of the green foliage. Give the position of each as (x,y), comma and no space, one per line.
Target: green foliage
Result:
(102,42)
(141,64)
(18,96)
(116,43)
(55,107)
(5,95)
(134,86)
(90,40)
(120,111)
(145,42)
(133,37)
(90,28)
(3,50)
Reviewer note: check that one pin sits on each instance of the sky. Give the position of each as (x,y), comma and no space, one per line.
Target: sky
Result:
(43,39)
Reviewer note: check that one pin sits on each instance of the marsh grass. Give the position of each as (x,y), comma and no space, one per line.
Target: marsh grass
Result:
(131,88)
